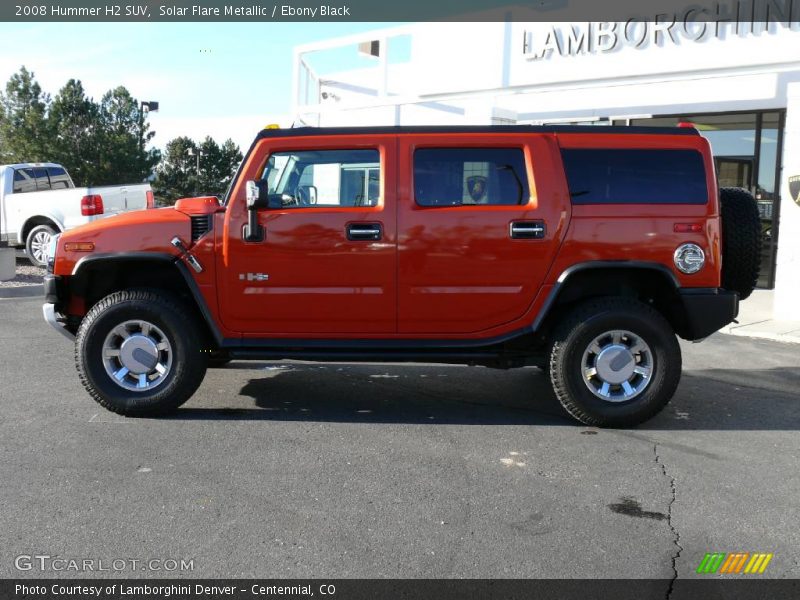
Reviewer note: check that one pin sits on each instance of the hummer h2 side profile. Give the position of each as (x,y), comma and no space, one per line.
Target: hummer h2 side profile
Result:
(583,250)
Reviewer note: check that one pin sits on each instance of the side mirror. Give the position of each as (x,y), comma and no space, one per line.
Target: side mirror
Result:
(256,195)
(251,194)
(253,232)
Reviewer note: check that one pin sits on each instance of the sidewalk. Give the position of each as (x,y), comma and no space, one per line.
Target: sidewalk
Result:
(755,320)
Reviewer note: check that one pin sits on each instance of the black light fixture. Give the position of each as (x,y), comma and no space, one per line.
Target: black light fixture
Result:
(145,107)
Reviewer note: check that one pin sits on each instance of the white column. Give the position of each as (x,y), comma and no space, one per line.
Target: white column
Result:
(787,278)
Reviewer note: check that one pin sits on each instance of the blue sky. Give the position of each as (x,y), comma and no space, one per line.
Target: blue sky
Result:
(222,79)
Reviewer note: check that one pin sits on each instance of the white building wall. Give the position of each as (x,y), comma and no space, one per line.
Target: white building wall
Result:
(484,73)
(787,278)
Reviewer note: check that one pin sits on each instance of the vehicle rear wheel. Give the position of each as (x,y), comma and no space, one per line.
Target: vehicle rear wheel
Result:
(614,362)
(138,353)
(36,244)
(741,240)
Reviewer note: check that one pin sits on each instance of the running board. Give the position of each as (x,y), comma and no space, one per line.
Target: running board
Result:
(321,355)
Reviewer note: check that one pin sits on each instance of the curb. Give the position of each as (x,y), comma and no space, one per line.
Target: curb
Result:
(24,291)
(763,335)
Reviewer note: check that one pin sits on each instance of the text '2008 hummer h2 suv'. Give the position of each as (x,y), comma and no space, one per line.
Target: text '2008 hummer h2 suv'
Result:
(582,250)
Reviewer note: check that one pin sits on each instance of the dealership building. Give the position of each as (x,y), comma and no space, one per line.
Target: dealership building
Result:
(737,80)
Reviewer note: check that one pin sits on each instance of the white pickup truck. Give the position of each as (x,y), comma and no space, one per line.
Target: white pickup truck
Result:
(39,200)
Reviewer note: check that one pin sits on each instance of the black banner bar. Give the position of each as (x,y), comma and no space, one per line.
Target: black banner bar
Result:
(661,11)
(713,588)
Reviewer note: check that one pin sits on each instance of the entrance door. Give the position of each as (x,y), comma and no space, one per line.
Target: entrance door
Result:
(327,264)
(734,172)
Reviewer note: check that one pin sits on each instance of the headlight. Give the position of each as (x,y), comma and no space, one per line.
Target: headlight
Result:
(50,252)
(689,258)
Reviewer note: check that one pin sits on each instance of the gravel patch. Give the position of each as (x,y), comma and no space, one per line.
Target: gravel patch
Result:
(27,275)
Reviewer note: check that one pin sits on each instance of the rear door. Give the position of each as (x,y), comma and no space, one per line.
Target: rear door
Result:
(478,226)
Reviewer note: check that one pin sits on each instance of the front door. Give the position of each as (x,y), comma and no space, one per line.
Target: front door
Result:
(476,236)
(327,264)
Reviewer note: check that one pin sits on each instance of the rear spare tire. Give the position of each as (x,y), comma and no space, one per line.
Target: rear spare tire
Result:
(741,240)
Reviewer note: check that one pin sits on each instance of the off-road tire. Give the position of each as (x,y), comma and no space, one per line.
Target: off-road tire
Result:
(29,241)
(168,314)
(741,240)
(574,334)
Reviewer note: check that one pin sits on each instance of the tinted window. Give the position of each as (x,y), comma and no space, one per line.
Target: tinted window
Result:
(635,176)
(42,181)
(319,178)
(24,181)
(469,176)
(58,178)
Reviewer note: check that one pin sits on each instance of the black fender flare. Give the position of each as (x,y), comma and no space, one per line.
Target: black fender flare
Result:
(85,264)
(564,276)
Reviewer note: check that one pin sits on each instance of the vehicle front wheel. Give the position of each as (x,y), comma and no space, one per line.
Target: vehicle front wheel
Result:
(614,362)
(138,353)
(36,244)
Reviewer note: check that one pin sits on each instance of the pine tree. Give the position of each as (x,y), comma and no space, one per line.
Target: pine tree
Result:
(178,175)
(74,119)
(123,157)
(24,127)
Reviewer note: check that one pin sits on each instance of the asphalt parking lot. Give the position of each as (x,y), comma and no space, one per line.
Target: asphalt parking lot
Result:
(302,470)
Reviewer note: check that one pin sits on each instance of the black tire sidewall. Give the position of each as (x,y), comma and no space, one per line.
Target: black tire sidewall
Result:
(666,367)
(169,394)
(741,241)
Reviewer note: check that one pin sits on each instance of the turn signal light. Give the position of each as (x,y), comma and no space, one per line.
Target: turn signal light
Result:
(92,205)
(79,246)
(688,228)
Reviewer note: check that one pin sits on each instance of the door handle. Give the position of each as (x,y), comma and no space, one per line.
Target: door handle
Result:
(527,230)
(364,232)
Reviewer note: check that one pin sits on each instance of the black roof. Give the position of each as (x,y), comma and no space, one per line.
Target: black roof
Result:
(310,131)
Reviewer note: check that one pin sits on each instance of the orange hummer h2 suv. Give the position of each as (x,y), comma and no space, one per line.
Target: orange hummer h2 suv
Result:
(582,250)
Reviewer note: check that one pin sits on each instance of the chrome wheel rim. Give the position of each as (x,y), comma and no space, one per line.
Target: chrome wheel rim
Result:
(137,356)
(39,244)
(617,366)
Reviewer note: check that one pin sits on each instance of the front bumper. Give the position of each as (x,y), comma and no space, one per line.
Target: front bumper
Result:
(53,296)
(706,311)
(49,312)
(53,289)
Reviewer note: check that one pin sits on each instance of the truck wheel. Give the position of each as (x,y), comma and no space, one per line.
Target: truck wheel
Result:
(741,240)
(35,246)
(138,353)
(614,362)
